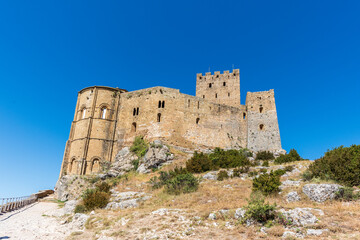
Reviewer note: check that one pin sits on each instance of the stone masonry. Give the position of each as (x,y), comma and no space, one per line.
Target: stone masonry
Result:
(107,119)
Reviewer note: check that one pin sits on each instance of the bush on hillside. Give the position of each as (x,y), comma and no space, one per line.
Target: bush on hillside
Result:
(258,210)
(267,183)
(176,181)
(80,208)
(200,162)
(347,194)
(265,163)
(240,170)
(279,172)
(222,175)
(96,198)
(139,146)
(264,155)
(341,164)
(292,156)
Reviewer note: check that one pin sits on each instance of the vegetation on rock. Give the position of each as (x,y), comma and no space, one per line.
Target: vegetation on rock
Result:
(264,155)
(96,198)
(259,211)
(341,164)
(222,175)
(292,156)
(267,183)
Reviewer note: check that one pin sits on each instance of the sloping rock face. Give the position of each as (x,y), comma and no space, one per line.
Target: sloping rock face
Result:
(122,200)
(300,216)
(155,157)
(321,192)
(122,164)
(292,197)
(61,187)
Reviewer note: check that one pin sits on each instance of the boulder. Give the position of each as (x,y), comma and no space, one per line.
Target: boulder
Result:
(210,175)
(125,200)
(289,183)
(321,192)
(239,213)
(69,206)
(292,197)
(212,216)
(79,221)
(156,156)
(315,232)
(122,163)
(61,187)
(300,216)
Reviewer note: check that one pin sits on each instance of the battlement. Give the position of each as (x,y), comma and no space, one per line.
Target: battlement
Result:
(218,75)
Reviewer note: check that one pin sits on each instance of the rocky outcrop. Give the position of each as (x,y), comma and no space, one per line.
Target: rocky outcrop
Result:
(300,216)
(155,157)
(69,206)
(321,192)
(292,197)
(122,200)
(62,187)
(239,213)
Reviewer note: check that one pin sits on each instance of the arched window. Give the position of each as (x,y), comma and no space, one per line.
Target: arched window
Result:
(134,112)
(261,127)
(103,112)
(133,127)
(72,166)
(95,166)
(215,95)
(261,108)
(83,113)
(197,120)
(159,117)
(163,104)
(224,84)
(159,106)
(244,115)
(210,85)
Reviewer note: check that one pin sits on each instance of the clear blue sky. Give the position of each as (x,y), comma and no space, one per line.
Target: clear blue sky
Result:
(308,51)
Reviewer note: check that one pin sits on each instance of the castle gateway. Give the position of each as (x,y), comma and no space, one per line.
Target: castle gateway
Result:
(107,119)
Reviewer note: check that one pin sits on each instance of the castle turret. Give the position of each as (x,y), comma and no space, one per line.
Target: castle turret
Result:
(262,122)
(219,88)
(92,131)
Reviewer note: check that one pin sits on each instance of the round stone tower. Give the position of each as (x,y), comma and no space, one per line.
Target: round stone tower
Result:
(92,131)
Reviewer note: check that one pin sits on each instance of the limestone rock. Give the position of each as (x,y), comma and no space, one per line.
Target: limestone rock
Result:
(239,213)
(210,175)
(212,216)
(289,183)
(123,163)
(79,221)
(157,155)
(61,187)
(292,197)
(125,200)
(321,192)
(300,216)
(316,232)
(69,206)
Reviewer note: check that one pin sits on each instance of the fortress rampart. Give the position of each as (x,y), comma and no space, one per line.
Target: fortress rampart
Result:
(107,119)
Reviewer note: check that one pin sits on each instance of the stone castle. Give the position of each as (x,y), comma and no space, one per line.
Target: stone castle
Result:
(107,119)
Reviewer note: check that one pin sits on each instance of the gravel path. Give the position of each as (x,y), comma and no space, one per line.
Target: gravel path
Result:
(33,222)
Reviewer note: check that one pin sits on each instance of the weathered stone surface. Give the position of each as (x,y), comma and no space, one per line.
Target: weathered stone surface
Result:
(292,197)
(126,200)
(122,164)
(321,192)
(210,175)
(69,206)
(79,221)
(300,216)
(212,216)
(157,155)
(239,213)
(224,212)
(316,232)
(289,183)
(62,187)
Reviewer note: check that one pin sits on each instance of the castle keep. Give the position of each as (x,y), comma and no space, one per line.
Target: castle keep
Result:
(107,119)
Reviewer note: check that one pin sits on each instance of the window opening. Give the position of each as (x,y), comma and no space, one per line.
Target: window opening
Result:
(159,106)
(198,105)
(197,120)
(261,108)
(224,84)
(103,113)
(83,113)
(210,85)
(215,95)
(133,127)
(228,94)
(261,126)
(134,112)
(163,104)
(244,115)
(188,102)
(159,117)
(203,96)
(137,111)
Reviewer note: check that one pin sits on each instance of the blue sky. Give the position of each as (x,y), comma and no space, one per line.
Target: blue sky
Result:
(308,51)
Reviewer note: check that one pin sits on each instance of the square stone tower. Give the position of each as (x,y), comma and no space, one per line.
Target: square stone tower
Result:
(219,88)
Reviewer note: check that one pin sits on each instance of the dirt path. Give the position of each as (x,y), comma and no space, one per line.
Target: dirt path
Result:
(33,222)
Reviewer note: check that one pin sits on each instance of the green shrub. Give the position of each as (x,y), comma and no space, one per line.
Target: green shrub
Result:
(200,162)
(240,170)
(265,163)
(289,168)
(258,210)
(176,181)
(253,173)
(80,208)
(279,172)
(182,183)
(95,199)
(228,159)
(222,175)
(264,155)
(245,152)
(347,194)
(139,146)
(306,176)
(292,156)
(103,187)
(263,170)
(341,164)
(267,183)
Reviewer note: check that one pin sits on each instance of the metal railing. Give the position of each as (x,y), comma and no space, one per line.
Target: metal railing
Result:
(10,204)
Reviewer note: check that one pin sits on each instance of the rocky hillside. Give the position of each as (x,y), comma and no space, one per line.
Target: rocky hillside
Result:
(218,204)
